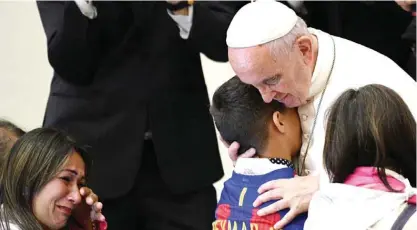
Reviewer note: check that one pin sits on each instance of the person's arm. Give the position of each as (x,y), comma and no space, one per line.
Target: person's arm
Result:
(294,193)
(318,212)
(208,27)
(72,40)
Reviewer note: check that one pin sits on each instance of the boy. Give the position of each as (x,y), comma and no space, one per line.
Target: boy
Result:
(275,132)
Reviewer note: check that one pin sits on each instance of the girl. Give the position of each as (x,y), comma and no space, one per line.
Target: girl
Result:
(370,157)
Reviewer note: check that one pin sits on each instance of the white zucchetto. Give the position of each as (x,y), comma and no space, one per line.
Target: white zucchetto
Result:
(260,22)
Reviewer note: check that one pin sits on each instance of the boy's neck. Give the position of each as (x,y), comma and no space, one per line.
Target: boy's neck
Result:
(277,149)
(276,154)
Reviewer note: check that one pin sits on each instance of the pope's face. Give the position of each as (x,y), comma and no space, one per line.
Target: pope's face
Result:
(283,77)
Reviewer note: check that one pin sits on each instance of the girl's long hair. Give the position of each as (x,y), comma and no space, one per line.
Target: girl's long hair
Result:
(371,126)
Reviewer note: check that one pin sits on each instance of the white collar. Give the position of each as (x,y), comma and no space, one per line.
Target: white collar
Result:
(324,61)
(256,166)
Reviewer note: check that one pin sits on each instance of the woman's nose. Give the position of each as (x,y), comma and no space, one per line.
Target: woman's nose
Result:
(75,196)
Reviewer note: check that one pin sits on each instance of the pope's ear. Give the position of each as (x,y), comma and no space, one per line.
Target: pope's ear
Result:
(305,46)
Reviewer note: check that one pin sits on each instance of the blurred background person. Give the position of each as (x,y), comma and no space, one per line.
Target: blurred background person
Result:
(378,25)
(9,133)
(410,34)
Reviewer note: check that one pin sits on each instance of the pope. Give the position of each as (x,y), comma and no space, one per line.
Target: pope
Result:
(271,48)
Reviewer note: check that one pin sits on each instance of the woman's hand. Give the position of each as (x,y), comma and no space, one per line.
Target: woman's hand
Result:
(89,211)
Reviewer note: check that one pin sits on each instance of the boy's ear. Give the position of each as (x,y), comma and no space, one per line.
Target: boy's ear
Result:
(278,120)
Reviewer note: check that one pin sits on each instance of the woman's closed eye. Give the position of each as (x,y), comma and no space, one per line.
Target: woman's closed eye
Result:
(66,178)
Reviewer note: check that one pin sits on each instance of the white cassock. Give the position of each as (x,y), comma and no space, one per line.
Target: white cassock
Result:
(354,66)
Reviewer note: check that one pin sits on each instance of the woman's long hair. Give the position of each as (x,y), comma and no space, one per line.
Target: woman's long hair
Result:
(34,160)
(371,126)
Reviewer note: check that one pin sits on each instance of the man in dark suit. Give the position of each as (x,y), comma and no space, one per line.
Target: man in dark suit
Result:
(378,25)
(128,82)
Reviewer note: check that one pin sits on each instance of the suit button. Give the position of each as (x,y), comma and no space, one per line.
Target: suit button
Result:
(148,136)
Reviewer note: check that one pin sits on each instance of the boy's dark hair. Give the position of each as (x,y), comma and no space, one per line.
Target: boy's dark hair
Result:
(7,131)
(370,126)
(241,115)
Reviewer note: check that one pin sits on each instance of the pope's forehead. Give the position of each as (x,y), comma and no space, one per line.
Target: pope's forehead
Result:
(257,58)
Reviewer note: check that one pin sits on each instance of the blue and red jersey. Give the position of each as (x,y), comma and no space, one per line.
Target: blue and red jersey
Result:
(235,209)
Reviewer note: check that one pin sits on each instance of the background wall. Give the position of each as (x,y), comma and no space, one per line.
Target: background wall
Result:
(25,73)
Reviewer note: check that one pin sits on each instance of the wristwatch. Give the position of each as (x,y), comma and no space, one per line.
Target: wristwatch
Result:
(180,5)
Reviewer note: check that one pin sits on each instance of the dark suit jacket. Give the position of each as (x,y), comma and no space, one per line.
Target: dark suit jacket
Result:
(129,66)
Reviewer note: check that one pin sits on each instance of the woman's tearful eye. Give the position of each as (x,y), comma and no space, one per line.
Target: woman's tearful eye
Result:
(66,179)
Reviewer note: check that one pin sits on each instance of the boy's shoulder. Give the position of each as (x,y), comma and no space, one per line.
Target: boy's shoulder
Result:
(242,190)
(235,207)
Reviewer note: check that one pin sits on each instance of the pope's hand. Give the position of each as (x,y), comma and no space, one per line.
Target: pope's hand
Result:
(233,150)
(295,194)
